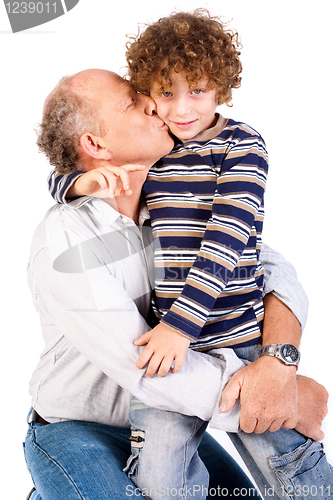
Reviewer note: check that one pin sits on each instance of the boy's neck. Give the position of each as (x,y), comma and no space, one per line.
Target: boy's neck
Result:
(209,133)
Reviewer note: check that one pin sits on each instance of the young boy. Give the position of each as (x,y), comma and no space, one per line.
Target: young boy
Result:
(206,205)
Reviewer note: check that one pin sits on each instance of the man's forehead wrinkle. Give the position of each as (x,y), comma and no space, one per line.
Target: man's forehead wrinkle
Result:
(91,82)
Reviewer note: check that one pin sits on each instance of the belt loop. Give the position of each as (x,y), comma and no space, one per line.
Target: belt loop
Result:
(29,415)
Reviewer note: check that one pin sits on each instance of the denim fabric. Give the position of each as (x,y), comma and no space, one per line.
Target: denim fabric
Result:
(165,462)
(284,464)
(82,460)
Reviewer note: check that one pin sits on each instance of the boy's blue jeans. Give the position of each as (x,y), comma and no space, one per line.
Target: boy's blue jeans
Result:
(285,464)
(82,460)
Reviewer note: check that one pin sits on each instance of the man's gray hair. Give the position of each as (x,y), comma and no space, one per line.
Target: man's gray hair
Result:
(66,117)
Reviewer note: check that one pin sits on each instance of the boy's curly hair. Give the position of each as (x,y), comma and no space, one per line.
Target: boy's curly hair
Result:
(66,117)
(196,44)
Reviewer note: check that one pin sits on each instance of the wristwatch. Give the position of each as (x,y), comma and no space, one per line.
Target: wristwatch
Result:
(286,353)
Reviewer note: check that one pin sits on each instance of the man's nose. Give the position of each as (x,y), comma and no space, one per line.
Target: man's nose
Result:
(149,105)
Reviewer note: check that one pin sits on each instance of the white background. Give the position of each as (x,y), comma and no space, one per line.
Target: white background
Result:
(286,95)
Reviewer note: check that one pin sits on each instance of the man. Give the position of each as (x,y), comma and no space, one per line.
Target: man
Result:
(89,276)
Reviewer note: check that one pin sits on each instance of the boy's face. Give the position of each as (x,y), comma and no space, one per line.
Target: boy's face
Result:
(186,111)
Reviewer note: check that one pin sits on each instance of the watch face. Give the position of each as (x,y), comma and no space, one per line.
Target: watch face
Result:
(290,353)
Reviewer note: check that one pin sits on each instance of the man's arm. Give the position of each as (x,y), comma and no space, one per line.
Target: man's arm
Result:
(281,280)
(268,389)
(271,393)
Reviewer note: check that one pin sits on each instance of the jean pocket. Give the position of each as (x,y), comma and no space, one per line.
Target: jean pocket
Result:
(305,473)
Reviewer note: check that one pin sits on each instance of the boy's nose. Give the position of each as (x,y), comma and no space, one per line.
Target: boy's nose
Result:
(182,107)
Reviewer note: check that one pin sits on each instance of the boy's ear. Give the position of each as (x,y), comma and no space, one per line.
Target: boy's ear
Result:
(94,146)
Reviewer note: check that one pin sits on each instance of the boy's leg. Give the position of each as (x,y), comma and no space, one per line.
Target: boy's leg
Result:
(75,460)
(284,464)
(165,462)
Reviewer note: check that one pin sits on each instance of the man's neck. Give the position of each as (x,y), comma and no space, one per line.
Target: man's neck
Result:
(130,205)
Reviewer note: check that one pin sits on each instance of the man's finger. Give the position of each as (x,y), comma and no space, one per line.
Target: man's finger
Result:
(315,434)
(230,394)
(291,422)
(247,423)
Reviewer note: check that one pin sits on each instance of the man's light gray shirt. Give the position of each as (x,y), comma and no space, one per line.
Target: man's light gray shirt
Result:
(90,275)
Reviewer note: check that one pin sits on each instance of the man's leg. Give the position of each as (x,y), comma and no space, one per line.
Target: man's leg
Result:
(225,473)
(226,478)
(75,460)
(285,464)
(165,462)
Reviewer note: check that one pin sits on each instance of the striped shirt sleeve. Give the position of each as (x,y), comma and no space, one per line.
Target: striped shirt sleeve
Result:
(237,212)
(59,185)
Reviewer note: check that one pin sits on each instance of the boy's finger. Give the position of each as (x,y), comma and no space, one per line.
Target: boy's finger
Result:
(144,357)
(153,366)
(143,339)
(133,167)
(179,361)
(165,366)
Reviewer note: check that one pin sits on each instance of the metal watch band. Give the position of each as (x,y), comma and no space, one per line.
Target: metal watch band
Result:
(286,353)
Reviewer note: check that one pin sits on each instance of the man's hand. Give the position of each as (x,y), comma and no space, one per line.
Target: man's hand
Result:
(102,182)
(312,407)
(268,395)
(164,347)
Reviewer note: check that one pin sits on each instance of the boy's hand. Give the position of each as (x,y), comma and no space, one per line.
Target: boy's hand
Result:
(102,182)
(164,346)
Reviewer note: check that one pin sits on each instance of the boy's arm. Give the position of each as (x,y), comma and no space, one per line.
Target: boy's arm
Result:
(100,182)
(60,184)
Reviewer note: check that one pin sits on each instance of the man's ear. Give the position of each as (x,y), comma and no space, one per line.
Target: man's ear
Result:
(94,146)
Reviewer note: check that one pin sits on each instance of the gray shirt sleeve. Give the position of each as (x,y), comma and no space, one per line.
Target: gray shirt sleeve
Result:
(281,280)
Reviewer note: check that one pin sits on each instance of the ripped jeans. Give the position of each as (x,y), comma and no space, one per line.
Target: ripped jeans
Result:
(165,464)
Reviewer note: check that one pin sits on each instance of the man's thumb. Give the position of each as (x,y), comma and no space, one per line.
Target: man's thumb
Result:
(230,394)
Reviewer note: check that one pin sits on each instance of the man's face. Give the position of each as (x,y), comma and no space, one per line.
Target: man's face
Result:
(135,134)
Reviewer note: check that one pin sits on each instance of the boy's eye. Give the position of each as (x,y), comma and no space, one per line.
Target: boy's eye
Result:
(197,91)
(166,94)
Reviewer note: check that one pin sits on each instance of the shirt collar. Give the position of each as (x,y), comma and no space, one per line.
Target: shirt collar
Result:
(107,215)
(210,133)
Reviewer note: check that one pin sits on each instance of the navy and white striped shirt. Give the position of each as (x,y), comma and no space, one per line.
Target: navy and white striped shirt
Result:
(205,200)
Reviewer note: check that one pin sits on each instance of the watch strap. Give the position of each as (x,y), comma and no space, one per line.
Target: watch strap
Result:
(276,351)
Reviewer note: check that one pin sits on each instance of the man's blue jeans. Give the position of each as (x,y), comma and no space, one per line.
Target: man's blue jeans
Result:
(82,460)
(285,464)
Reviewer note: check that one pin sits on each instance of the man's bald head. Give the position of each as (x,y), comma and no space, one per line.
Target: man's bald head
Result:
(69,111)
